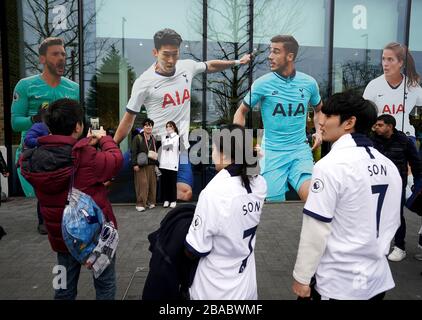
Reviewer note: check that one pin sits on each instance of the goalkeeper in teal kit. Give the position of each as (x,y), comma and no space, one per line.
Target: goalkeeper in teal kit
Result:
(36,91)
(284,96)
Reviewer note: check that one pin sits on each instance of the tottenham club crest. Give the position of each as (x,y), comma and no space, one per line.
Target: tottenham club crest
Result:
(197,222)
(317,186)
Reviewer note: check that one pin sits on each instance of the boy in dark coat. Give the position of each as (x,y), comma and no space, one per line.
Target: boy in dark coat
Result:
(49,167)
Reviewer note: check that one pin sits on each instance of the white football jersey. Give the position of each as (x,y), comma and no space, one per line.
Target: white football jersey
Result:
(358,191)
(166,98)
(223,234)
(390,100)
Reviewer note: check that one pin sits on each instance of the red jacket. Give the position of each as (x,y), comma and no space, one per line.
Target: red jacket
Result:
(48,168)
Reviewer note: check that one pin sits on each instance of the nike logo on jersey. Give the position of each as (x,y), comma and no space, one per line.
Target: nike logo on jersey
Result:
(380,95)
(39,97)
(274,93)
(175,100)
(289,111)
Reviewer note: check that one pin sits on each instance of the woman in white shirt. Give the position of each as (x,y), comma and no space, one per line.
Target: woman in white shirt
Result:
(169,165)
(226,218)
(394,93)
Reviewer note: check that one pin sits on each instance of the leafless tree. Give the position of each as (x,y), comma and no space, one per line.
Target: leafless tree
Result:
(227,30)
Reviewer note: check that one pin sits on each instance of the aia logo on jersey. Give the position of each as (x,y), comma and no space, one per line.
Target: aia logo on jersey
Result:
(175,99)
(393,109)
(289,110)
(317,186)
(197,222)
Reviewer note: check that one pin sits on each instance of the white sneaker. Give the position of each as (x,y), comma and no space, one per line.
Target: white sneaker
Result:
(397,254)
(173,204)
(166,204)
(140,209)
(151,206)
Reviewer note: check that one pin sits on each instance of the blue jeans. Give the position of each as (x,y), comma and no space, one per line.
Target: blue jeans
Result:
(105,285)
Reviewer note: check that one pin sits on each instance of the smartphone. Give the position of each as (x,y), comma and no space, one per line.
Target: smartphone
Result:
(95,123)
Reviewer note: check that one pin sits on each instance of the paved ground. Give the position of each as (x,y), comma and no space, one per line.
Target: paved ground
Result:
(26,260)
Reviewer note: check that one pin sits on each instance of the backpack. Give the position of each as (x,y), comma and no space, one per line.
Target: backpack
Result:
(171,272)
(81,224)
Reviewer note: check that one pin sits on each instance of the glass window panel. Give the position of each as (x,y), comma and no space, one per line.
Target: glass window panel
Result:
(121,37)
(308,22)
(415,47)
(361,29)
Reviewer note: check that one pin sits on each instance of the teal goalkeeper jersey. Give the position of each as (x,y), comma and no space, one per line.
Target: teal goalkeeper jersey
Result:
(31,93)
(284,103)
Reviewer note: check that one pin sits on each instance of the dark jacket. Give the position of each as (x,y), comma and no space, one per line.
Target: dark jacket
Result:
(171,272)
(401,151)
(139,145)
(37,130)
(48,168)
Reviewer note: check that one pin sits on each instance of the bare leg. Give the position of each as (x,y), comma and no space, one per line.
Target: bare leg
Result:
(304,190)
(184,191)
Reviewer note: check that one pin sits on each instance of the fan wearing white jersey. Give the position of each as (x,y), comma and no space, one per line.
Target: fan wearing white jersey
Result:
(388,90)
(165,91)
(352,211)
(226,218)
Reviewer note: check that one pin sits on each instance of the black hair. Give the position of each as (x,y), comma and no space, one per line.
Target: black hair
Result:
(237,148)
(148,121)
(42,49)
(167,37)
(173,125)
(290,44)
(348,104)
(63,115)
(387,119)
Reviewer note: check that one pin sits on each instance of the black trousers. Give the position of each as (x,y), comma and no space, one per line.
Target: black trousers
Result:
(40,218)
(168,185)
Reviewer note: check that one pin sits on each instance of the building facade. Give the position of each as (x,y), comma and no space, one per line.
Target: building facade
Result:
(109,44)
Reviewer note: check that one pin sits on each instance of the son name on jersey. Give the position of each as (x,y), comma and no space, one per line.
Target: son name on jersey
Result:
(251,207)
(376,170)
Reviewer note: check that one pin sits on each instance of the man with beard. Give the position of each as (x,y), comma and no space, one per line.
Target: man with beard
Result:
(38,90)
(284,95)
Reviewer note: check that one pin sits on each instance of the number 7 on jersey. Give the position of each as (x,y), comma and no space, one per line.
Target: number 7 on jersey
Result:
(382,190)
